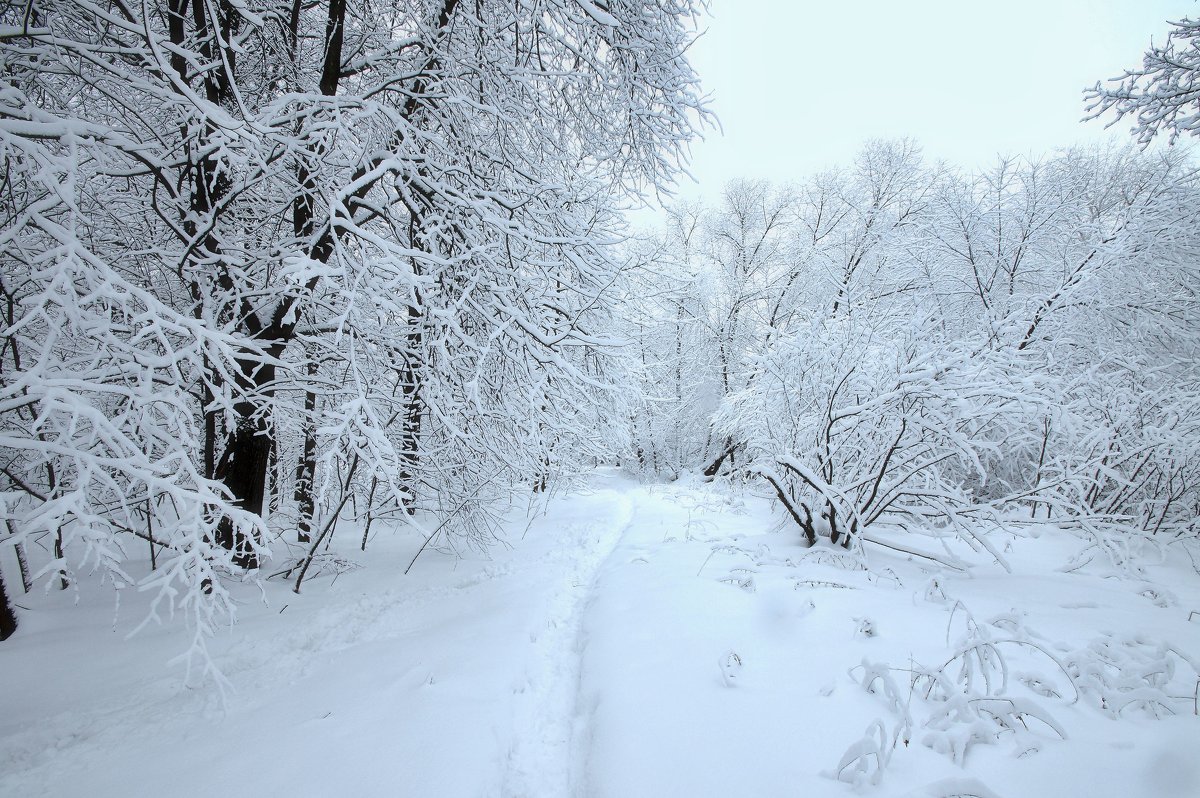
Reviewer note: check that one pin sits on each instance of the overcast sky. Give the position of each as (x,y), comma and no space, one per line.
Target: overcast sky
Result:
(799,86)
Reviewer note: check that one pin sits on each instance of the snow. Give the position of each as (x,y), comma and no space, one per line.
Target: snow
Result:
(633,640)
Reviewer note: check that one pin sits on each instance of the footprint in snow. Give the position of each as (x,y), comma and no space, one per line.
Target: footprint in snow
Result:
(731,668)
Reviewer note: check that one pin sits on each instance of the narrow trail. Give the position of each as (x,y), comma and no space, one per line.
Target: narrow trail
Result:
(549,736)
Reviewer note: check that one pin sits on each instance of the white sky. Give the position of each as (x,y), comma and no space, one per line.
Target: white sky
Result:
(799,86)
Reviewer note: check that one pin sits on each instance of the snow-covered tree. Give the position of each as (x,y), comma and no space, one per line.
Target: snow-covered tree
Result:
(1163,96)
(673,370)
(202,198)
(933,347)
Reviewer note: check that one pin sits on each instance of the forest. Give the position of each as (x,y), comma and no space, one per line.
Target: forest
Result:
(282,279)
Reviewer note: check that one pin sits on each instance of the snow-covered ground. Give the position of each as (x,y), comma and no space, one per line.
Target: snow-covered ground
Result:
(632,641)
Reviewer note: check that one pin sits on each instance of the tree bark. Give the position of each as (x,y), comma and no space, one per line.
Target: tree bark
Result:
(8,620)
(410,391)
(244,465)
(23,568)
(307,469)
(418,196)
(806,522)
(713,467)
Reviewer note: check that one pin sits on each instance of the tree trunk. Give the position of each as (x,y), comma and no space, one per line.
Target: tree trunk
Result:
(831,517)
(307,469)
(63,582)
(274,491)
(410,390)
(370,515)
(713,467)
(806,522)
(419,201)
(8,620)
(23,568)
(542,478)
(244,465)
(838,535)
(211,419)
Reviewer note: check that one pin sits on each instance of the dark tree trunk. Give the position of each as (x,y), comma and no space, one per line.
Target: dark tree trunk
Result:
(805,522)
(542,479)
(244,465)
(541,475)
(837,534)
(210,436)
(304,210)
(370,515)
(244,473)
(63,582)
(274,471)
(307,469)
(715,466)
(418,201)
(8,620)
(52,483)
(23,568)
(831,516)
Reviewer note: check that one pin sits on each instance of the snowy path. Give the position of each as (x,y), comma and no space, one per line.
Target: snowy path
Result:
(547,733)
(459,679)
(583,660)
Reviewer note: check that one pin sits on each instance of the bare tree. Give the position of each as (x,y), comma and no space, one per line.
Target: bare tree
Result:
(1163,96)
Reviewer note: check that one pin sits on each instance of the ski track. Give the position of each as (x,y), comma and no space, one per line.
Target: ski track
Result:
(549,741)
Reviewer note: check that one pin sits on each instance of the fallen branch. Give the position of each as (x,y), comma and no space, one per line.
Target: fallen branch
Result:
(956,564)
